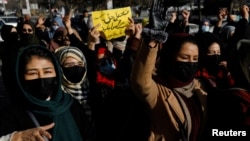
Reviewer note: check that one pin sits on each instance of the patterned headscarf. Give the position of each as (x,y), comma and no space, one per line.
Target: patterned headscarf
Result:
(78,90)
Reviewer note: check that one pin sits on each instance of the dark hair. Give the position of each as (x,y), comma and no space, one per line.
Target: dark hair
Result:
(85,11)
(24,57)
(172,47)
(205,40)
(28,53)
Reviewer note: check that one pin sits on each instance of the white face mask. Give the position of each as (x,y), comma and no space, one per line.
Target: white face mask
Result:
(205,28)
(54,27)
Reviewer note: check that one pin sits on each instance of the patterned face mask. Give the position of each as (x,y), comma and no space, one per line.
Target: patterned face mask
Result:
(106,66)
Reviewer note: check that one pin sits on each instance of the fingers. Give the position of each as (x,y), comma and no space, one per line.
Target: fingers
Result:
(101,33)
(47,127)
(186,12)
(223,63)
(42,134)
(93,29)
(244,11)
(94,34)
(138,30)
(34,134)
(245,8)
(40,137)
(138,27)
(131,21)
(130,30)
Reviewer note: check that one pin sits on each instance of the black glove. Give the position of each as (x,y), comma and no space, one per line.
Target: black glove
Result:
(158,12)
(157,15)
(158,36)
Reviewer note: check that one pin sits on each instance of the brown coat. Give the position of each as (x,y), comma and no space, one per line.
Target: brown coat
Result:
(164,125)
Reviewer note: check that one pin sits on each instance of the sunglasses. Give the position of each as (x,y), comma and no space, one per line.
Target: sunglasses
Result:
(27,30)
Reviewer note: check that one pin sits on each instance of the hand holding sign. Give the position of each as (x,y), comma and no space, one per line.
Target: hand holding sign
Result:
(93,37)
(130,30)
(138,30)
(113,22)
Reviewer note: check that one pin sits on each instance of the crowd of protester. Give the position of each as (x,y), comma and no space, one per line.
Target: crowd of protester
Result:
(156,83)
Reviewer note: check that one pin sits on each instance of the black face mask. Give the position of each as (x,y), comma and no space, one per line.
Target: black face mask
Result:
(27,36)
(212,64)
(74,74)
(185,71)
(13,36)
(41,88)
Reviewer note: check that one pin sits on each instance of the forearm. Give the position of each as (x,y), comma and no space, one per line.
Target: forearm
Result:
(133,43)
(141,75)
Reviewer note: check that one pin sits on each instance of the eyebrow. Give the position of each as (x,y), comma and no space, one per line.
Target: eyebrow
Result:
(187,54)
(47,68)
(69,63)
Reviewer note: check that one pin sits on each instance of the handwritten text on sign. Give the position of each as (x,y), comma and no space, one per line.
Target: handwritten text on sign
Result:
(113,22)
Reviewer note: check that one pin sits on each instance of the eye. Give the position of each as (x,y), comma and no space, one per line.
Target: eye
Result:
(184,57)
(80,64)
(73,63)
(196,58)
(48,72)
(69,64)
(30,73)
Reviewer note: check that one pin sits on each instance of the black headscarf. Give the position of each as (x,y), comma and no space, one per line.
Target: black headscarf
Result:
(33,40)
(58,108)
(167,61)
(205,40)
(6,32)
(8,55)
(240,63)
(210,63)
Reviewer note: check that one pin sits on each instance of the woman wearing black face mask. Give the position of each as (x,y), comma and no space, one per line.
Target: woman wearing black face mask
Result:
(8,55)
(213,67)
(229,108)
(74,70)
(40,99)
(177,103)
(28,35)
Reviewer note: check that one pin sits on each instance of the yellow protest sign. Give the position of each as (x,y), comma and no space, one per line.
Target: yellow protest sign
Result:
(113,22)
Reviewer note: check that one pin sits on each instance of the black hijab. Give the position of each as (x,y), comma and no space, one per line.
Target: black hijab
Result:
(30,41)
(239,65)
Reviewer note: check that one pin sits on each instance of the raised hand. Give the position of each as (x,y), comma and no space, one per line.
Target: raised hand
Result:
(40,22)
(93,37)
(185,15)
(138,30)
(157,17)
(222,14)
(130,30)
(245,12)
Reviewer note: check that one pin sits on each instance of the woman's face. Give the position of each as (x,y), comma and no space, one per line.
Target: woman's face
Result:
(214,49)
(39,67)
(27,29)
(188,53)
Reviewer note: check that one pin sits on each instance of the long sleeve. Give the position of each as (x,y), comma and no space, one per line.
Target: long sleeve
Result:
(141,75)
(7,137)
(242,30)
